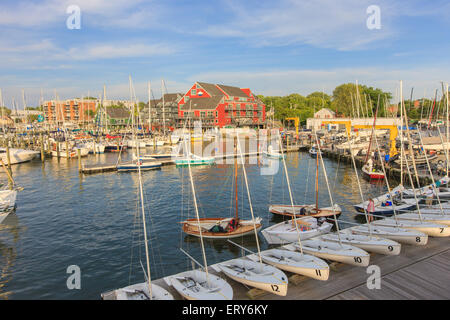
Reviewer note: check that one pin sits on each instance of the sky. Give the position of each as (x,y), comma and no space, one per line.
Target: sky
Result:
(272,47)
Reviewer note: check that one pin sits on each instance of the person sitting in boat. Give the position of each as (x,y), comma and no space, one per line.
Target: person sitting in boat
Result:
(369,164)
(232,225)
(217,228)
(303,211)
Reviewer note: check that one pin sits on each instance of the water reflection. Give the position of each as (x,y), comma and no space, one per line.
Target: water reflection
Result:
(9,237)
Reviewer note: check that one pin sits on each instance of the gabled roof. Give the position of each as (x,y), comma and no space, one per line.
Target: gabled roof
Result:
(202,103)
(211,88)
(233,91)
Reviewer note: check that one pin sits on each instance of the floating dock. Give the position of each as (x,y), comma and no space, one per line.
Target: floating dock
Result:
(108,167)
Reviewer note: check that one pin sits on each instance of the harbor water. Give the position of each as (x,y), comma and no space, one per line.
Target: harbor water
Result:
(65,218)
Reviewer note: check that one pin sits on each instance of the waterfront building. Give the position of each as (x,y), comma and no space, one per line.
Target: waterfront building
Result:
(117,116)
(159,114)
(71,110)
(217,105)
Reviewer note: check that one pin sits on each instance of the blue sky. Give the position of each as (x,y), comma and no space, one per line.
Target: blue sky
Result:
(272,47)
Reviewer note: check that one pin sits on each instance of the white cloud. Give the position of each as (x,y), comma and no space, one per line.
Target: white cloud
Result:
(322,23)
(305,81)
(49,12)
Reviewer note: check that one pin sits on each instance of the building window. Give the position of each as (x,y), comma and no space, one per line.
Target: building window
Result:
(202,114)
(193,92)
(217,113)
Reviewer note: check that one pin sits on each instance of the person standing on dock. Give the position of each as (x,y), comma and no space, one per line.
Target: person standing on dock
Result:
(429,194)
(370,210)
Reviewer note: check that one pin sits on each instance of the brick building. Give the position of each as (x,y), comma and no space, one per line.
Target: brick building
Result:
(71,110)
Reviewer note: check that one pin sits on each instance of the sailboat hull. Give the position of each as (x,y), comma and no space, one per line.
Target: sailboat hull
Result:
(140,291)
(332,251)
(269,278)
(193,285)
(295,262)
(246,227)
(402,235)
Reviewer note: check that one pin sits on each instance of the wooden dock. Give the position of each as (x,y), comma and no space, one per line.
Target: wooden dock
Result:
(419,272)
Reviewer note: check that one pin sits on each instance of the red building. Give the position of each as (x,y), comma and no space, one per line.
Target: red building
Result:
(218,105)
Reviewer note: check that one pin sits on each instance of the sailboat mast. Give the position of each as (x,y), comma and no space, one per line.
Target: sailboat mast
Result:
(290,195)
(235,180)
(317,181)
(149,108)
(197,215)
(163,109)
(249,198)
(3,111)
(448,133)
(141,194)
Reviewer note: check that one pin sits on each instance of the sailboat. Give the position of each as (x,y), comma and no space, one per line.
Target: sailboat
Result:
(199,284)
(430,228)
(270,153)
(365,242)
(222,228)
(286,231)
(137,163)
(146,290)
(7,203)
(292,261)
(329,250)
(253,273)
(308,210)
(336,251)
(368,170)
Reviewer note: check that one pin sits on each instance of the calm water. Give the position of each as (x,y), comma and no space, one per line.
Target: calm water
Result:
(64,219)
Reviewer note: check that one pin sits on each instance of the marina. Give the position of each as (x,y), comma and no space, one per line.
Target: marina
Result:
(239,154)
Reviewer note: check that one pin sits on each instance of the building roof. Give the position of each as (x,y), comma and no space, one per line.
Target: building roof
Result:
(211,88)
(325,110)
(202,103)
(168,98)
(117,112)
(233,91)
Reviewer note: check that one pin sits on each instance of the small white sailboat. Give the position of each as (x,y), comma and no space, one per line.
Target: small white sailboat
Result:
(17,156)
(296,262)
(286,231)
(407,236)
(431,229)
(365,242)
(140,291)
(387,203)
(194,159)
(255,274)
(7,201)
(425,216)
(270,153)
(72,153)
(334,251)
(197,285)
